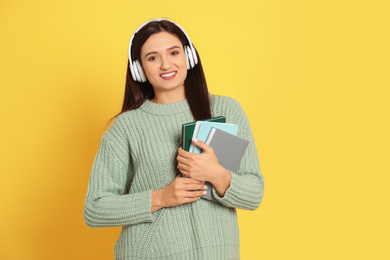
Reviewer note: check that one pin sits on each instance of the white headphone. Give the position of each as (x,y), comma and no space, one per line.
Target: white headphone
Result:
(136,70)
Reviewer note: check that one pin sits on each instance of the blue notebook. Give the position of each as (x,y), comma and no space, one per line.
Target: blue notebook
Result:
(204,130)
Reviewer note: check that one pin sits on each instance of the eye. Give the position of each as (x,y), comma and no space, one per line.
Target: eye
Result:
(174,53)
(152,58)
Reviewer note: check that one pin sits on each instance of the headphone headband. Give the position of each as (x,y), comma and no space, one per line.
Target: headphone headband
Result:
(135,67)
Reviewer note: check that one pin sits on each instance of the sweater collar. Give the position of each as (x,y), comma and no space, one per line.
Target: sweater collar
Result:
(165,109)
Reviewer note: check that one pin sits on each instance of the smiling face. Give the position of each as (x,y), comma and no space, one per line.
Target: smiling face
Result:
(164,63)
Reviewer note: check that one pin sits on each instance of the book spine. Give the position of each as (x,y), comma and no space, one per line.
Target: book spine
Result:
(210,136)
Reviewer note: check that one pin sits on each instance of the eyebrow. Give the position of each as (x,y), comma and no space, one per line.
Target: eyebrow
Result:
(154,52)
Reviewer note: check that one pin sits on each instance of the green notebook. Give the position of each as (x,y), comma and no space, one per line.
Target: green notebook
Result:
(187,131)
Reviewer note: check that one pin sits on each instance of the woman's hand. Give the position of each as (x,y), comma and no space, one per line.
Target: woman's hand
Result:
(204,167)
(180,190)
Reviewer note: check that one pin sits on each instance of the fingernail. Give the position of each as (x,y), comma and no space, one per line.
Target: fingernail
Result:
(205,187)
(195,140)
(205,192)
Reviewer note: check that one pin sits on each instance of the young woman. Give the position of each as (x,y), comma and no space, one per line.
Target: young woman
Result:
(136,178)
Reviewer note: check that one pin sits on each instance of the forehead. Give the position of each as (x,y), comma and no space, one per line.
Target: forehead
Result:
(160,41)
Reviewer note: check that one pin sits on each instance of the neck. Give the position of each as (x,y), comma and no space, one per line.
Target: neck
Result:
(166,97)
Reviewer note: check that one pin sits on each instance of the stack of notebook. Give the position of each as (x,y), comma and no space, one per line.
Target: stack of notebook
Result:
(219,135)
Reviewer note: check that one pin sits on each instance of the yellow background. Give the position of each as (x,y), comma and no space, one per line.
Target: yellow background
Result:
(313,77)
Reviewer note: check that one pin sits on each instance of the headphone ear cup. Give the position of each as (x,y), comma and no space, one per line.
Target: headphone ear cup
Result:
(141,73)
(135,70)
(194,56)
(187,59)
(190,58)
(131,66)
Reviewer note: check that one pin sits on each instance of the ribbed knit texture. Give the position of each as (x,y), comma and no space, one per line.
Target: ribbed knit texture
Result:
(137,155)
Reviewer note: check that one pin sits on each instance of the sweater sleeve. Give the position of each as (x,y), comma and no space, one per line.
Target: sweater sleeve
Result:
(107,203)
(247,184)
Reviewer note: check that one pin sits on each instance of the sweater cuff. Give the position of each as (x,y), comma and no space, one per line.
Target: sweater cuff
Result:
(230,194)
(142,207)
(240,194)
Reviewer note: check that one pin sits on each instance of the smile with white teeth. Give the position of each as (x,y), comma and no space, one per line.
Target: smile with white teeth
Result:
(168,75)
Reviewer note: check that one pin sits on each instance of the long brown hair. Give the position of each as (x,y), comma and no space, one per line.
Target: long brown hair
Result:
(195,85)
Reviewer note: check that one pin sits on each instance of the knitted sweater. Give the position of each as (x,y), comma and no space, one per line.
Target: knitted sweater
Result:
(137,155)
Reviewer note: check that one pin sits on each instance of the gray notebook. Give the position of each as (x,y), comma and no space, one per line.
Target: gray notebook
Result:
(229,150)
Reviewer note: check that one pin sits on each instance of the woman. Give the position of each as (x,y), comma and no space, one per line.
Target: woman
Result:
(135,181)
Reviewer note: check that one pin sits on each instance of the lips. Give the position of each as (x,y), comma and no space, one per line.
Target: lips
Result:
(169,75)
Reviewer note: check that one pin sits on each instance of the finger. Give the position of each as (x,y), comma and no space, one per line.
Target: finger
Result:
(182,167)
(182,159)
(198,187)
(202,145)
(185,173)
(183,178)
(191,181)
(193,194)
(183,153)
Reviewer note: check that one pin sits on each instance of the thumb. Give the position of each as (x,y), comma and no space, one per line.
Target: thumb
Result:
(201,145)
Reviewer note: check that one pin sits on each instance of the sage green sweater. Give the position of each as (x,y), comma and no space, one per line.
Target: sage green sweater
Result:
(137,155)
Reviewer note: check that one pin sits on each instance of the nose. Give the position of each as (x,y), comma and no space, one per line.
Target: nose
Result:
(165,63)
